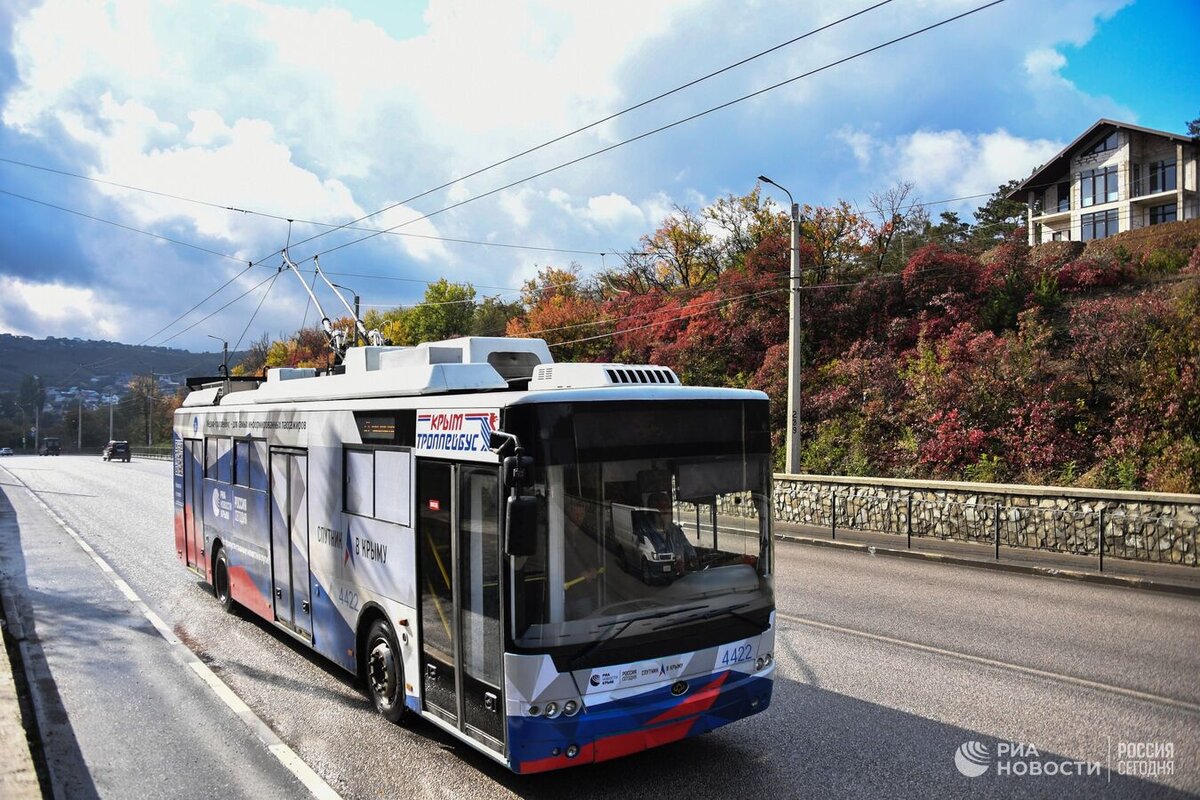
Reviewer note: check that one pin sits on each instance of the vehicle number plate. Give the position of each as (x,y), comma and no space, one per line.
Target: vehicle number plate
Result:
(732,654)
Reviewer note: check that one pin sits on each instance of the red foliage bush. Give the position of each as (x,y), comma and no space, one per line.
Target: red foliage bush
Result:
(1086,273)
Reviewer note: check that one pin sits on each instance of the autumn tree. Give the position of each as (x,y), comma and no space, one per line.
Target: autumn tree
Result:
(838,235)
(681,253)
(447,311)
(563,309)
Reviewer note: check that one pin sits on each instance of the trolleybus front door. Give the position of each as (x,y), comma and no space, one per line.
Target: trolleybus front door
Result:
(289,539)
(459,546)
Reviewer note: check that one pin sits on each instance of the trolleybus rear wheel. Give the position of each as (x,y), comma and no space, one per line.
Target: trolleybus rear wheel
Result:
(221,581)
(385,673)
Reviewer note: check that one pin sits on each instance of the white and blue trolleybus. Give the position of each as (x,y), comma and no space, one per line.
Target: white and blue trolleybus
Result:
(556,563)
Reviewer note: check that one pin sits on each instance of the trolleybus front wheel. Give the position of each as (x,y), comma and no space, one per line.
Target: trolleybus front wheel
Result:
(385,673)
(221,581)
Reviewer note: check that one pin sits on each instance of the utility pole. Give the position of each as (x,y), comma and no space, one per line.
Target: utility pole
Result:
(358,316)
(110,415)
(149,406)
(795,340)
(79,440)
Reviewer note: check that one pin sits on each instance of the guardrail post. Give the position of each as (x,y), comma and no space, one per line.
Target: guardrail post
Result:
(997,526)
(1100,536)
(833,515)
(910,521)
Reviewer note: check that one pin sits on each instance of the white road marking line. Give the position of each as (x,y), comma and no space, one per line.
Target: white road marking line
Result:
(989,662)
(276,746)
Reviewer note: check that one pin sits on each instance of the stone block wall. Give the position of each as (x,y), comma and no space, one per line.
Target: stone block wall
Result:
(1135,525)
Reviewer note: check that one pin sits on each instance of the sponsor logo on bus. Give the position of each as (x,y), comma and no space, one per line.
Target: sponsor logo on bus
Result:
(458,433)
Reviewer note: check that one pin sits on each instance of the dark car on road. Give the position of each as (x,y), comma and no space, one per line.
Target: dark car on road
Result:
(50,446)
(116,451)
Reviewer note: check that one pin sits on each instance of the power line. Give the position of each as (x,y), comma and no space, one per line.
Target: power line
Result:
(281,218)
(662,128)
(119,225)
(219,310)
(590,125)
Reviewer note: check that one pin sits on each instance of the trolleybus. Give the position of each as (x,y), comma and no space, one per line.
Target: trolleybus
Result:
(556,563)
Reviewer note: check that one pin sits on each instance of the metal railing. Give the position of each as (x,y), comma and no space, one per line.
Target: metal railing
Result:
(1101,533)
(154,453)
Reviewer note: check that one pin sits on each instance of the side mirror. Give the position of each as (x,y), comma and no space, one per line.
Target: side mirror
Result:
(517,470)
(520,526)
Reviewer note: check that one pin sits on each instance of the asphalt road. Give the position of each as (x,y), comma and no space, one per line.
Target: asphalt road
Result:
(886,667)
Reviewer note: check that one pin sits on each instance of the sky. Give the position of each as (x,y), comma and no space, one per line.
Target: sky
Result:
(150,151)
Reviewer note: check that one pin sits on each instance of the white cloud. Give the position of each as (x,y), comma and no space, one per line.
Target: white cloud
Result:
(954,163)
(30,308)
(614,209)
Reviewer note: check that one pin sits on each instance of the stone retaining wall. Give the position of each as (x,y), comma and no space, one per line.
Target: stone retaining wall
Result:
(1136,525)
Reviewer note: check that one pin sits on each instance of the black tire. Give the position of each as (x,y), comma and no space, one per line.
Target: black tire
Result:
(384,674)
(220,582)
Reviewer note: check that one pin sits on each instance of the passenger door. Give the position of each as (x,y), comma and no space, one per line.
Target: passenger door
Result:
(459,551)
(289,540)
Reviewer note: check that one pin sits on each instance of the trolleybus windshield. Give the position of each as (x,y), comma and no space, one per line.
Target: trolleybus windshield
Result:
(653,525)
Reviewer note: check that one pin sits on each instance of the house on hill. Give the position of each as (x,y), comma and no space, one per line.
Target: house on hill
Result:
(1114,177)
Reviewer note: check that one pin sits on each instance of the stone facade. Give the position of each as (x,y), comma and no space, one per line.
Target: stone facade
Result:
(1136,525)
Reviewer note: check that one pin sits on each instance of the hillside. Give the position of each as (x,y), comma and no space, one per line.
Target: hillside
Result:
(77,361)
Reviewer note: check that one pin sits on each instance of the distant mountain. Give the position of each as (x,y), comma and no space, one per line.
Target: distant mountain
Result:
(75,362)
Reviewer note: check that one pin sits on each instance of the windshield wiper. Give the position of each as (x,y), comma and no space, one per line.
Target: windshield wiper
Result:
(716,612)
(624,623)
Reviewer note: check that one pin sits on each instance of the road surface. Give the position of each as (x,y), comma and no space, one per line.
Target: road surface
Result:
(887,667)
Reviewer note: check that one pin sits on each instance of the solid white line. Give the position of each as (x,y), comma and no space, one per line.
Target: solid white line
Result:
(276,746)
(989,662)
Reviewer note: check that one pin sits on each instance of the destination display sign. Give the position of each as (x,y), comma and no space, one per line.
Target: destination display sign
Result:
(463,434)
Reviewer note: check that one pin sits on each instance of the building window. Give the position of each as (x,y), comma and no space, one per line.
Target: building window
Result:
(1103,146)
(1098,185)
(1060,236)
(1100,225)
(1160,177)
(1163,213)
(1064,196)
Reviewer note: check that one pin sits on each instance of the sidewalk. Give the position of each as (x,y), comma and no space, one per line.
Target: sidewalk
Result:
(1119,572)
(18,777)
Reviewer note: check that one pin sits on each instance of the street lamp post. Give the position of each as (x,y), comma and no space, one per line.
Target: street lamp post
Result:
(357,315)
(792,449)
(224,355)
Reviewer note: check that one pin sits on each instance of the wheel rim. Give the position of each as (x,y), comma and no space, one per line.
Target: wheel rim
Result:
(383,672)
(222,580)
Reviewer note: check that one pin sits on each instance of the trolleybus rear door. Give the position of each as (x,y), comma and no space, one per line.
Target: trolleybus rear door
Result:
(193,517)
(289,539)
(459,546)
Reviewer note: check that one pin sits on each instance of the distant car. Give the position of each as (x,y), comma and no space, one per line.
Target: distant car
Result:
(50,447)
(116,451)
(6,451)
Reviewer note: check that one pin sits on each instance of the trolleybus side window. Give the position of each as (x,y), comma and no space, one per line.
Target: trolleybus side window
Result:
(218,459)
(377,484)
(360,482)
(249,458)
(393,477)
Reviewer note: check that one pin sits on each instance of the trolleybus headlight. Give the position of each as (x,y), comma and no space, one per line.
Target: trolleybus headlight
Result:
(551,710)
(570,707)
(759,664)
(572,750)
(534,711)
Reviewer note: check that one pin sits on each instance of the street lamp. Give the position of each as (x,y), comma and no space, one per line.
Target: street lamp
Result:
(357,316)
(224,355)
(792,449)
